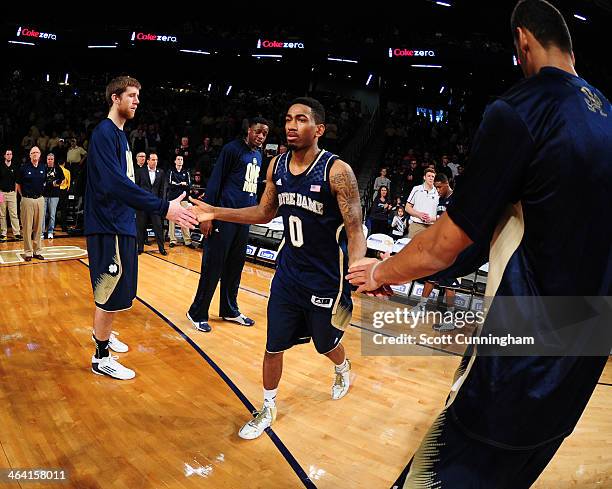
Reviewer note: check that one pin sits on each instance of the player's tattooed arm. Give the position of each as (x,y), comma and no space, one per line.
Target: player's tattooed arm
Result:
(262,213)
(344,186)
(268,205)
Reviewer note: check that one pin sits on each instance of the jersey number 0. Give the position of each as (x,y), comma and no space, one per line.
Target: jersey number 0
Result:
(295,231)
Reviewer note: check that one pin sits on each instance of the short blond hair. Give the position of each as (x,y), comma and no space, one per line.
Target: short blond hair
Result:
(119,85)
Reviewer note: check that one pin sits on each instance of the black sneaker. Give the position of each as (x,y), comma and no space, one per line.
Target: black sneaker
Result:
(18,237)
(172,245)
(3,239)
(202,326)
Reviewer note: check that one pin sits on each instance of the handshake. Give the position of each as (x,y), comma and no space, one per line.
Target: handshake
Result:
(361,274)
(189,217)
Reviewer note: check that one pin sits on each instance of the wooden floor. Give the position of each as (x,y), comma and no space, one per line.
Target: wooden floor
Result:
(175,424)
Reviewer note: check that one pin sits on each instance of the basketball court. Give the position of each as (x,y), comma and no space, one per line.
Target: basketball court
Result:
(175,425)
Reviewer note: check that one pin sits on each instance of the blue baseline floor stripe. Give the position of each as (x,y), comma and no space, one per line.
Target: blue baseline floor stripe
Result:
(297,468)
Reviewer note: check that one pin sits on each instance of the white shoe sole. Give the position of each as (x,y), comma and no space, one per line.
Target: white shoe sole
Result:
(112,377)
(122,372)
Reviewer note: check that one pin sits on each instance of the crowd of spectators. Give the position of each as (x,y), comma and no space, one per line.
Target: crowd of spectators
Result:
(414,145)
(170,121)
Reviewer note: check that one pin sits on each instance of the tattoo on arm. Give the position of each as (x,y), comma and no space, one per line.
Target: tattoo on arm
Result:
(269,200)
(344,184)
(347,195)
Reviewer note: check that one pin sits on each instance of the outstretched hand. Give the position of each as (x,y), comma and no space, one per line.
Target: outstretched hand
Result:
(202,210)
(180,215)
(361,275)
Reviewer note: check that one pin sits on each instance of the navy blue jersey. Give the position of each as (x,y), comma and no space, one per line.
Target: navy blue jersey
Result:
(112,195)
(233,182)
(313,260)
(443,203)
(539,145)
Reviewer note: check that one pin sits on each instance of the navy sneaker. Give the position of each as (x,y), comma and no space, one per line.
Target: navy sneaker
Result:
(242,320)
(202,326)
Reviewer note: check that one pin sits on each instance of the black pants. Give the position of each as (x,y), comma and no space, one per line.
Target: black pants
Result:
(380,226)
(223,258)
(141,224)
(62,207)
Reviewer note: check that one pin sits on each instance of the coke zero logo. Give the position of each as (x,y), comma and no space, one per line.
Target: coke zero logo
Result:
(279,44)
(398,52)
(143,36)
(26,32)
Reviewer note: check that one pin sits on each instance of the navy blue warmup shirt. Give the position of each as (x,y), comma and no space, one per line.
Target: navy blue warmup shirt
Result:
(233,182)
(543,154)
(111,195)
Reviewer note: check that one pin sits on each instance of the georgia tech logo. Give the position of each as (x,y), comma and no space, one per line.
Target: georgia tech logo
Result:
(113,269)
(593,102)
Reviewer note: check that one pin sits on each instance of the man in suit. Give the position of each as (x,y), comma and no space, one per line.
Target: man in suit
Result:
(153,180)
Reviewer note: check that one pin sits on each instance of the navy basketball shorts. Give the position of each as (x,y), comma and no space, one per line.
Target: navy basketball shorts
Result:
(443,281)
(291,322)
(113,268)
(447,283)
(449,457)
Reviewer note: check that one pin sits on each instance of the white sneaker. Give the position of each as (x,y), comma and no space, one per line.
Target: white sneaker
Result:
(111,367)
(417,313)
(262,420)
(447,324)
(116,344)
(341,382)
(242,319)
(50,236)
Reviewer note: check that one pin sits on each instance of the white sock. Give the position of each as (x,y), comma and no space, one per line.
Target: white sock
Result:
(423,301)
(451,309)
(270,397)
(343,366)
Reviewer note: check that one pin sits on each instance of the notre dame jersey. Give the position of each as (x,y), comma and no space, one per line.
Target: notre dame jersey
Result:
(313,259)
